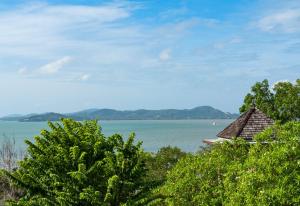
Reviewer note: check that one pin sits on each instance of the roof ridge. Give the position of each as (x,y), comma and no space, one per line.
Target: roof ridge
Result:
(252,110)
(247,125)
(220,134)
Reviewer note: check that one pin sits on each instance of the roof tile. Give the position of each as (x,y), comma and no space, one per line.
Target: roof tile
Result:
(247,125)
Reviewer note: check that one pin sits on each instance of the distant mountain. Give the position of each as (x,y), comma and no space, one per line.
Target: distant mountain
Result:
(15,117)
(202,112)
(51,116)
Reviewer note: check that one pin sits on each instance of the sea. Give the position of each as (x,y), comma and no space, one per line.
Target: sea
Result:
(185,134)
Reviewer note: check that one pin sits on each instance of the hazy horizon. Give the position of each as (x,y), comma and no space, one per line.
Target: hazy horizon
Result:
(70,55)
(15,114)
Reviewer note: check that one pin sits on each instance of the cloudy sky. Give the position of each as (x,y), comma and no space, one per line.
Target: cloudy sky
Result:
(70,55)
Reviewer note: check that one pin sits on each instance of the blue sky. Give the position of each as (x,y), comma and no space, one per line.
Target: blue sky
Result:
(66,56)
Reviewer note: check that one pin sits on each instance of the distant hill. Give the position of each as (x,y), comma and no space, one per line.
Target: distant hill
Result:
(202,112)
(15,117)
(51,116)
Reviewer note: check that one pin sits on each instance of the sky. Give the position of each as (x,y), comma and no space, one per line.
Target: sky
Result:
(70,55)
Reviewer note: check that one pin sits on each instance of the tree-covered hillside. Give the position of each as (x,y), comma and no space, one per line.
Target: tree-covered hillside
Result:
(202,112)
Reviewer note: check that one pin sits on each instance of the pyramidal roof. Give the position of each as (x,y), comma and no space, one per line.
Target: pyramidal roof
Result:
(247,125)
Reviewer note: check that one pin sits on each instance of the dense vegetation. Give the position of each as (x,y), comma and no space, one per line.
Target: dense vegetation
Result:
(282,102)
(83,167)
(265,173)
(163,161)
(203,112)
(75,164)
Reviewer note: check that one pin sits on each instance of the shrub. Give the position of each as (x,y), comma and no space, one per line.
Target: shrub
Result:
(160,163)
(237,173)
(75,164)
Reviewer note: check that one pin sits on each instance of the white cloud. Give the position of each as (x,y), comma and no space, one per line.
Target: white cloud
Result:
(36,29)
(98,37)
(102,41)
(114,48)
(23,71)
(283,81)
(85,77)
(174,13)
(284,21)
(192,22)
(46,70)
(165,55)
(219,45)
(235,40)
(55,66)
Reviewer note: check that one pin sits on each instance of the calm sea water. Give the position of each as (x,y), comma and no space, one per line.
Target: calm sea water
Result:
(185,134)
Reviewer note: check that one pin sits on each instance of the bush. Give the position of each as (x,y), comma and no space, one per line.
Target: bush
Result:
(160,163)
(7,190)
(75,164)
(237,173)
(8,161)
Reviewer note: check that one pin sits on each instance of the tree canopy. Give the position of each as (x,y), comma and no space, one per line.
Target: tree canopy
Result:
(282,102)
(160,163)
(238,173)
(75,164)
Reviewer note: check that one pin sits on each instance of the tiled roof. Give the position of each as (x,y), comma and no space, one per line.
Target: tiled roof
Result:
(247,125)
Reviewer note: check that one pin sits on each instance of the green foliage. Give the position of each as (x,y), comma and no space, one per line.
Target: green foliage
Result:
(75,164)
(163,161)
(8,191)
(197,179)
(271,173)
(262,96)
(287,100)
(4,185)
(282,103)
(238,173)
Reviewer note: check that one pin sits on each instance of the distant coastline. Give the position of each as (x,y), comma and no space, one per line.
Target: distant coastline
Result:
(201,112)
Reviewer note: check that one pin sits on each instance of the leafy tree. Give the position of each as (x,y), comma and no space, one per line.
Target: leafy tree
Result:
(75,164)
(280,103)
(261,96)
(270,174)
(287,100)
(238,173)
(163,161)
(197,179)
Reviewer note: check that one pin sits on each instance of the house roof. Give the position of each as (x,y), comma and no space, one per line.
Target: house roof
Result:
(247,125)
